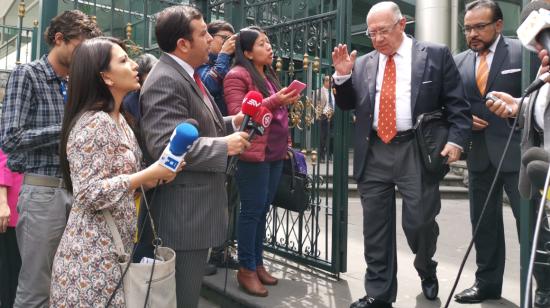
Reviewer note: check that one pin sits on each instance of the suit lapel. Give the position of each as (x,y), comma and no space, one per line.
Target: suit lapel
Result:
(419,56)
(372,66)
(196,89)
(501,53)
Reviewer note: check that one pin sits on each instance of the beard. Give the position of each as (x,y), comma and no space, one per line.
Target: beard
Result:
(484,46)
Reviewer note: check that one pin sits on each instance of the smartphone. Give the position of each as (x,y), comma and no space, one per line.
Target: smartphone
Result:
(296,85)
(497,101)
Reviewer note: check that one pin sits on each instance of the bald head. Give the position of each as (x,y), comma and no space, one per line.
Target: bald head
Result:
(385,7)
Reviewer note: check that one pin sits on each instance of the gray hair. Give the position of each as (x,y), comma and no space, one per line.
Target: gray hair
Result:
(386,6)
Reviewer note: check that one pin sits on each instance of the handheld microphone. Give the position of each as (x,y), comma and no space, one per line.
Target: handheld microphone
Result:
(181,140)
(260,122)
(536,164)
(535,26)
(252,102)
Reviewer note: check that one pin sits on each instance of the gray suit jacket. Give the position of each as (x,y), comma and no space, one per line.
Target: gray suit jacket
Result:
(191,212)
(435,84)
(528,140)
(504,75)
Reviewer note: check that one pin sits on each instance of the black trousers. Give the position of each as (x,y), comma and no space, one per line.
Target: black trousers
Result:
(325,141)
(10,263)
(489,241)
(389,166)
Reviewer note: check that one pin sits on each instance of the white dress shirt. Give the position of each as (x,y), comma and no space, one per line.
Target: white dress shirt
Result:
(330,100)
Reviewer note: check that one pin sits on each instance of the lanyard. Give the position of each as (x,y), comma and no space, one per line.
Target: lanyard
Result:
(63,89)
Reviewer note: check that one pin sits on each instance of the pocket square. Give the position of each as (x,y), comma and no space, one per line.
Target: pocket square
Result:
(510,71)
(426,82)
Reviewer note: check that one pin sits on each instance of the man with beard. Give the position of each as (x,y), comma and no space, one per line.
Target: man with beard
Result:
(493,63)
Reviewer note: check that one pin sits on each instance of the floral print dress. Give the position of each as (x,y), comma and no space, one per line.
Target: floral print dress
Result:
(101,154)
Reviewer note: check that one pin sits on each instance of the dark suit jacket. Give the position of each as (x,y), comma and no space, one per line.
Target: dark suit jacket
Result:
(435,85)
(191,211)
(505,76)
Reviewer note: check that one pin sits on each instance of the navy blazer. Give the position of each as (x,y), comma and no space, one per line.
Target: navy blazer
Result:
(435,84)
(505,76)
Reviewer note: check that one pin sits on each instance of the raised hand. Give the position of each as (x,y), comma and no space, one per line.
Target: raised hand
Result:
(342,61)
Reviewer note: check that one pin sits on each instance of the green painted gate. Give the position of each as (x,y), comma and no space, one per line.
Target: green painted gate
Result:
(303,34)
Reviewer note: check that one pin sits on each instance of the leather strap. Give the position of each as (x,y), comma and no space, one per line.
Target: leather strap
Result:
(114,231)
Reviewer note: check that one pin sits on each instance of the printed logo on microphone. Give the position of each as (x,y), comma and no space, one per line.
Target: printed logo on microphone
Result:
(266,119)
(253,102)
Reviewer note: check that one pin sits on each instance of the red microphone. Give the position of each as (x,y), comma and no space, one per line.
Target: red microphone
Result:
(252,102)
(260,122)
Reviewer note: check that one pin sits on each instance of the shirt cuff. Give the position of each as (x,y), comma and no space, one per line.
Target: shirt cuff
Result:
(235,128)
(340,79)
(456,145)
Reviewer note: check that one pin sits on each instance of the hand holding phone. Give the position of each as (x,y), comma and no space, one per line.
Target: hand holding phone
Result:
(497,101)
(296,85)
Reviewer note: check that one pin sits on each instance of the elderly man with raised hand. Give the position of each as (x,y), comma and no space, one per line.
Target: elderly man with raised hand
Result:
(389,88)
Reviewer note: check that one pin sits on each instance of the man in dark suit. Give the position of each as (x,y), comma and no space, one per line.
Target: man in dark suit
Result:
(493,63)
(191,211)
(387,104)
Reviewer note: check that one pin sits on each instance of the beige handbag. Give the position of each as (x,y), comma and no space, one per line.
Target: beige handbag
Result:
(136,277)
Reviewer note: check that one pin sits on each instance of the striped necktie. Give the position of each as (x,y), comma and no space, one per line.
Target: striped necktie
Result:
(482,72)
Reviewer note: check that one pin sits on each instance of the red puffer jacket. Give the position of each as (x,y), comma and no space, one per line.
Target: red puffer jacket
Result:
(235,86)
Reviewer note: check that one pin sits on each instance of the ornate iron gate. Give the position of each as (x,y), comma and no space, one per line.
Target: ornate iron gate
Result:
(303,34)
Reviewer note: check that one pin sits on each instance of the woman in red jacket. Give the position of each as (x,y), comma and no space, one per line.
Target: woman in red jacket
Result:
(260,167)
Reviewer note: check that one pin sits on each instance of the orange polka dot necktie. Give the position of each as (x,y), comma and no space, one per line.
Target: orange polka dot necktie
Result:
(387,128)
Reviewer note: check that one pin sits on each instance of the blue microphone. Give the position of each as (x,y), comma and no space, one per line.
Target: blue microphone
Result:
(181,140)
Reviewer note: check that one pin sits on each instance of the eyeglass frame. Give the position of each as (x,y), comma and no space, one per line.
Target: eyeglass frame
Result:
(224,37)
(478,28)
(382,32)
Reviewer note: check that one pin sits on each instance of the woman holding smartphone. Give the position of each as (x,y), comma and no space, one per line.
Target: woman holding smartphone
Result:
(259,168)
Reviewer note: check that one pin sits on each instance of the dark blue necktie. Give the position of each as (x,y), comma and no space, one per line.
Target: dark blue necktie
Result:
(63,89)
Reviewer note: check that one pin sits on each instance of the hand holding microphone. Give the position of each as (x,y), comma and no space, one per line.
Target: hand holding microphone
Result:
(255,117)
(181,140)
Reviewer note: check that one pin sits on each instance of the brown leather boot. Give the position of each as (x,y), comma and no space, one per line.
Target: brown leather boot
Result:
(265,277)
(248,280)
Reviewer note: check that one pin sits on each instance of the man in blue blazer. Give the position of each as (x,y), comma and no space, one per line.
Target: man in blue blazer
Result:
(492,63)
(389,88)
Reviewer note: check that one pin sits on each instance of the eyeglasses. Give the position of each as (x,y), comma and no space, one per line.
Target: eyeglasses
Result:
(382,32)
(478,27)
(223,37)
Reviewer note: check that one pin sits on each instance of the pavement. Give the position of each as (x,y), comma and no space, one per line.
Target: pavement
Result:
(301,286)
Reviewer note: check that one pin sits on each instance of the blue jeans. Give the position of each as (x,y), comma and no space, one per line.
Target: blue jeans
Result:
(257,185)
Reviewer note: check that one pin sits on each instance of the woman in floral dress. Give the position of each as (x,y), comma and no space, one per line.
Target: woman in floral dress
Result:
(101,162)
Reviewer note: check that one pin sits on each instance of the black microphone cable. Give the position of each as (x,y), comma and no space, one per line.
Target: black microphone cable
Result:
(487,199)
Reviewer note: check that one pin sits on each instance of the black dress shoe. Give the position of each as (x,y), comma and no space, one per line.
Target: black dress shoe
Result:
(542,298)
(430,287)
(476,294)
(369,302)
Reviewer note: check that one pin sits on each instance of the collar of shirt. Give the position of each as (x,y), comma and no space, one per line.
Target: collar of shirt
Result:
(403,67)
(48,69)
(490,55)
(188,68)
(404,51)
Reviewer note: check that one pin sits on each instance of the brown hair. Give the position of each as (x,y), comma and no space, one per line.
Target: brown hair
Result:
(174,23)
(72,24)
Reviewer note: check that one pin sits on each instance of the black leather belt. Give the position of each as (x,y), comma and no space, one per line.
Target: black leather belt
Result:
(401,137)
